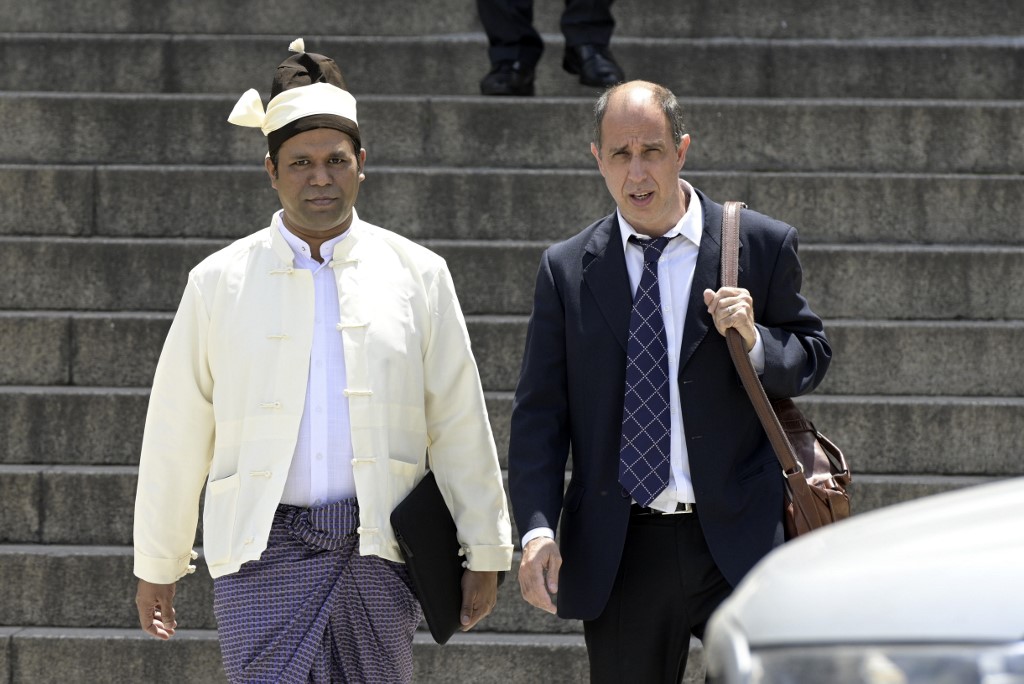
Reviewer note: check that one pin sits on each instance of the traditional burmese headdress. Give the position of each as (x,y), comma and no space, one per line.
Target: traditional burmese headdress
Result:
(308,92)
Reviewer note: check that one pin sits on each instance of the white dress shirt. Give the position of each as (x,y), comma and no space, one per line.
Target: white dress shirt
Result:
(321,469)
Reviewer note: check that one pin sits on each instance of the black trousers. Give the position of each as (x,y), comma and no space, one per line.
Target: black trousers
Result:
(510,32)
(667,587)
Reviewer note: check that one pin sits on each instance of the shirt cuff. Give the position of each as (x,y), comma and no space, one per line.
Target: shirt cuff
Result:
(757,353)
(538,532)
(484,558)
(163,570)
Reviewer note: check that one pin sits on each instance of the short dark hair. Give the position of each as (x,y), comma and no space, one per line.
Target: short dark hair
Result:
(663,96)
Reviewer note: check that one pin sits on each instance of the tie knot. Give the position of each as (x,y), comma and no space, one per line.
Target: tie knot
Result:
(652,248)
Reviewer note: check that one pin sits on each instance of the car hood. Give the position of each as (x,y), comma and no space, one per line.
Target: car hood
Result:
(945,568)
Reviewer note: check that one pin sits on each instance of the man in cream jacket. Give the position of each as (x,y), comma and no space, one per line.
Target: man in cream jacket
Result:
(310,371)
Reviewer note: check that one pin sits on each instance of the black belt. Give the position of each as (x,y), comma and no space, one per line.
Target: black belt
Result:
(681,509)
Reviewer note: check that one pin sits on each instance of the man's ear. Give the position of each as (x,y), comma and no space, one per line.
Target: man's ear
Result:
(684,145)
(597,155)
(268,163)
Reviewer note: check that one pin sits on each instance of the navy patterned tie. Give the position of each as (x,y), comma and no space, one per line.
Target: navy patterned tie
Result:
(645,445)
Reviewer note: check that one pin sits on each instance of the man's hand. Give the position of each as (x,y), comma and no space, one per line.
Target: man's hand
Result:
(479,595)
(732,307)
(538,572)
(156,609)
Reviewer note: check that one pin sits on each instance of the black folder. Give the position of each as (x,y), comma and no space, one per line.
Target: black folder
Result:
(427,537)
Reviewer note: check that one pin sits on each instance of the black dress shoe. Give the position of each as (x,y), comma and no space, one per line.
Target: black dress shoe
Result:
(508,78)
(594,64)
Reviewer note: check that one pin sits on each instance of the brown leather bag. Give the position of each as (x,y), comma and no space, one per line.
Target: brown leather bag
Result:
(814,468)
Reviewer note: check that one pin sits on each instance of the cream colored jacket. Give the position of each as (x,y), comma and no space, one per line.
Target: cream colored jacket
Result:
(230,385)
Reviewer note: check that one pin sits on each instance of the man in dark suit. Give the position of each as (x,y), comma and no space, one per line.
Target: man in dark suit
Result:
(675,491)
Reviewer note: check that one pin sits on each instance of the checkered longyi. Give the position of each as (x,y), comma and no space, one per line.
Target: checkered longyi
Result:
(312,610)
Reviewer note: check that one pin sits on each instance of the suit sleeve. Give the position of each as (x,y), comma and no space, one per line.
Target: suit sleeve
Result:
(797,352)
(540,430)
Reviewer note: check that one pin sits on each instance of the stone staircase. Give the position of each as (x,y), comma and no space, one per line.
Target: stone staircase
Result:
(891,134)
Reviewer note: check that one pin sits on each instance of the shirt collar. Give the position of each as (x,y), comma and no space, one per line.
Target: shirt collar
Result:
(299,246)
(690,226)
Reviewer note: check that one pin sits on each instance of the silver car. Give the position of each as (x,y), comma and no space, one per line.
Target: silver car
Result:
(929,591)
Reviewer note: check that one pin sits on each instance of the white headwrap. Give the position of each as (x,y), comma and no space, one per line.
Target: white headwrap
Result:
(318,98)
(293,104)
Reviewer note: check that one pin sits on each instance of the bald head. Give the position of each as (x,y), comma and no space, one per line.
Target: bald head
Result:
(638,96)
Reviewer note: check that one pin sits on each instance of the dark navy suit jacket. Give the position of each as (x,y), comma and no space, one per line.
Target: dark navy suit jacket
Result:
(570,394)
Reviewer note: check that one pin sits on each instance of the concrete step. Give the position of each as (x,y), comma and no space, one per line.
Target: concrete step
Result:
(485,203)
(887,282)
(905,136)
(135,274)
(924,358)
(44,504)
(870,357)
(919,437)
(667,18)
(48,655)
(63,425)
(52,348)
(869,491)
(67,504)
(106,656)
(496,277)
(453,65)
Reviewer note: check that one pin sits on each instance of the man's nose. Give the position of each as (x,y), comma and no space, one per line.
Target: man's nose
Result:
(320,176)
(637,170)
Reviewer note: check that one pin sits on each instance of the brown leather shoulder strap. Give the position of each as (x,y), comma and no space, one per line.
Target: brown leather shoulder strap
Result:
(731,243)
(791,468)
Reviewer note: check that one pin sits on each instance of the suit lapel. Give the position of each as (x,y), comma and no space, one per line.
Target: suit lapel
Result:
(604,272)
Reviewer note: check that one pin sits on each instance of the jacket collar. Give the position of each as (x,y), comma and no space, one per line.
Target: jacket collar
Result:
(279,245)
